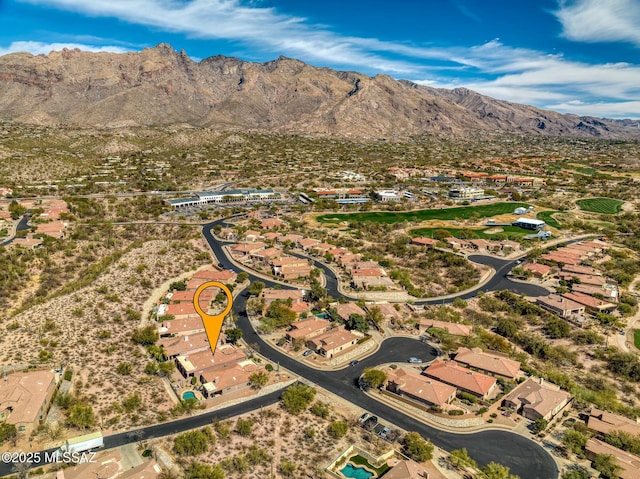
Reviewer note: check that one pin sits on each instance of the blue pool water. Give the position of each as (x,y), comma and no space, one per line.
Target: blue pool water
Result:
(354,472)
(188,395)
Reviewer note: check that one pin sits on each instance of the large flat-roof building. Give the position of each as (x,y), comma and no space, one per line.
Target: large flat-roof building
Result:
(225,196)
(529,224)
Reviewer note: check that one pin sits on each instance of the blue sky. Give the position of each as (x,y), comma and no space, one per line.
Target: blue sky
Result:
(578,56)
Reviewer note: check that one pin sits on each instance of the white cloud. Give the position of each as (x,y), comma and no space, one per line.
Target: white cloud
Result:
(600,20)
(38,48)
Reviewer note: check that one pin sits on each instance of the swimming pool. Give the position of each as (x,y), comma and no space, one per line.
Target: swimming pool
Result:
(188,395)
(353,472)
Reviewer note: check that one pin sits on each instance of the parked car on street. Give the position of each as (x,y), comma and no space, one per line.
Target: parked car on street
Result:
(413,360)
(308,352)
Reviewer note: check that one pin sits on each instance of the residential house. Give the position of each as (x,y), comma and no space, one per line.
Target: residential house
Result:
(426,242)
(348,259)
(594,280)
(452,373)
(184,310)
(591,304)
(224,276)
(266,256)
(251,235)
(25,398)
(629,464)
(181,327)
(536,398)
(245,249)
(55,229)
(456,329)
(493,364)
(183,345)
(345,310)
(603,422)
(561,306)
(271,236)
(271,223)
(322,248)
(455,243)
(270,295)
(407,469)
(508,246)
(307,328)
(420,388)
(561,258)
(308,243)
(192,364)
(576,269)
(538,270)
(609,292)
(334,341)
(290,238)
(227,378)
(388,310)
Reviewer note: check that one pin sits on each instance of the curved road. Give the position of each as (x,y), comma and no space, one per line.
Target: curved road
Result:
(524,457)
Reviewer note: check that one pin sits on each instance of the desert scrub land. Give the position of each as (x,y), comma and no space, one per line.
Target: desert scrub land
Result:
(88,324)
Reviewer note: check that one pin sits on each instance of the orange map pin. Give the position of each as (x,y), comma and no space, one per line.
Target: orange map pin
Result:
(212,323)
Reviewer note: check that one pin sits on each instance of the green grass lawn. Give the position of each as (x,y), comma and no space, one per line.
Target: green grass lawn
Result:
(511,232)
(547,217)
(390,217)
(636,338)
(605,206)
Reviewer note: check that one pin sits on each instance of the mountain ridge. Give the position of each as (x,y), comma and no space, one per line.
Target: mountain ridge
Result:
(160,86)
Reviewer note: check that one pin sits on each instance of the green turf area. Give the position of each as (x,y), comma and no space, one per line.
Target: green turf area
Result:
(390,217)
(508,232)
(586,170)
(605,206)
(636,338)
(547,217)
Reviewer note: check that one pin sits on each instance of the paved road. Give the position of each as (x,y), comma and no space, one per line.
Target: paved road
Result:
(523,456)
(22,225)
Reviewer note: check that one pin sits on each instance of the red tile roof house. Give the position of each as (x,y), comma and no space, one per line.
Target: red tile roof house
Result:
(609,293)
(270,295)
(322,248)
(271,223)
(536,398)
(187,296)
(509,245)
(456,243)
(581,270)
(629,464)
(308,243)
(604,422)
(251,235)
(208,275)
(345,310)
(25,398)
(557,257)
(193,364)
(591,304)
(227,378)
(244,249)
(479,244)
(334,341)
(308,328)
(452,373)
(292,238)
(182,310)
(561,306)
(183,345)
(493,364)
(388,310)
(584,278)
(538,270)
(421,241)
(181,327)
(348,259)
(456,329)
(289,272)
(271,236)
(266,256)
(420,388)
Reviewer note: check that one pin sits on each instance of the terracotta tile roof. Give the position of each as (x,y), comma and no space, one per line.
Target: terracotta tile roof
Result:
(228,375)
(185,344)
(333,339)
(271,223)
(290,261)
(181,309)
(588,301)
(421,241)
(201,360)
(369,272)
(271,236)
(387,309)
(308,242)
(181,326)
(584,278)
(491,363)
(451,373)
(25,393)
(581,270)
(538,396)
(270,295)
(538,268)
(604,422)
(210,275)
(308,327)
(456,329)
(345,310)
(421,387)
(555,301)
(247,247)
(629,464)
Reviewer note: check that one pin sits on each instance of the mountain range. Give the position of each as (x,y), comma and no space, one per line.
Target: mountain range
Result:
(159,86)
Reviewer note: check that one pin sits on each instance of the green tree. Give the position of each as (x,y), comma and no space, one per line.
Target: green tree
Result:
(8,432)
(242,277)
(256,288)
(493,470)
(557,328)
(259,379)
(374,378)
(81,416)
(460,457)
(198,470)
(321,409)
(16,210)
(576,473)
(338,429)
(375,316)
(607,466)
(192,443)
(297,397)
(233,335)
(287,468)
(145,336)
(539,424)
(244,426)
(166,368)
(358,322)
(575,441)
(417,448)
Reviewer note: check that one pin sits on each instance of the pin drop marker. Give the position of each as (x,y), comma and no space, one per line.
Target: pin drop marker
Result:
(212,322)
